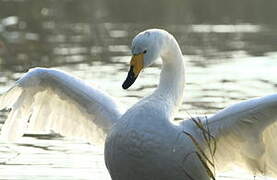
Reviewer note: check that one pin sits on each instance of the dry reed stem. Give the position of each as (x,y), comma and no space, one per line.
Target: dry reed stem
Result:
(207,163)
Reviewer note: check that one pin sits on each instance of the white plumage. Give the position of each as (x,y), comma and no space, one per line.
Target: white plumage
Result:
(143,143)
(54,100)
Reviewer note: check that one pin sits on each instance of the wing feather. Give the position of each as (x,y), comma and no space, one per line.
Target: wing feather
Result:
(47,99)
(246,135)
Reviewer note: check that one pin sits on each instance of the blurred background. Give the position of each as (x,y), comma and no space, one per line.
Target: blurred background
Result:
(54,33)
(230,49)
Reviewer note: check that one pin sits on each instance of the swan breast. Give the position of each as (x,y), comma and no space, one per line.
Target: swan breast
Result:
(144,147)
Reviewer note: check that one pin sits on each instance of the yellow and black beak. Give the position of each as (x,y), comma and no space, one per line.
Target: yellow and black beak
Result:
(136,66)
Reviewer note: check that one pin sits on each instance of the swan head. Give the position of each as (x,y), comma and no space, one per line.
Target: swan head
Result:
(147,47)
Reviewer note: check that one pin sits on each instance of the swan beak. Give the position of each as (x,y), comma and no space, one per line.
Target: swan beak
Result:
(136,66)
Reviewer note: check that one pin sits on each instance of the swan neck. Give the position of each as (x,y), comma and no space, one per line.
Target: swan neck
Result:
(172,78)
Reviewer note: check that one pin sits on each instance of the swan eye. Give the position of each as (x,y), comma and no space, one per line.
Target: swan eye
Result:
(145,51)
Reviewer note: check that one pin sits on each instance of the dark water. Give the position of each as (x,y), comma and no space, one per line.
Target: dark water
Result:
(230,48)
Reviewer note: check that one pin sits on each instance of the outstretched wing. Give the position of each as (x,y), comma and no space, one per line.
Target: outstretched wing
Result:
(47,99)
(246,135)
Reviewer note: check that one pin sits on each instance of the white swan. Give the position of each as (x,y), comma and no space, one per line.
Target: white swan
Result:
(143,143)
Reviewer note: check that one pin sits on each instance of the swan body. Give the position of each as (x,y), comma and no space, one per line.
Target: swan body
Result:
(143,143)
(154,150)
